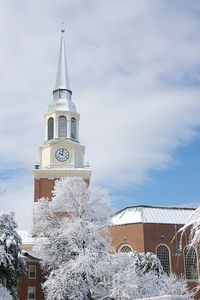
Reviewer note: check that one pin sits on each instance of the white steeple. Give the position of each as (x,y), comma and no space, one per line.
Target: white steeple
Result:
(62,92)
(61,154)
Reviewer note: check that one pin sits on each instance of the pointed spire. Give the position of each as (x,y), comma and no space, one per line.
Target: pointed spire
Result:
(62,78)
(62,93)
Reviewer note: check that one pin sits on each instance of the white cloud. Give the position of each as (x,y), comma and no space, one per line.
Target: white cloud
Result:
(134,71)
(17,196)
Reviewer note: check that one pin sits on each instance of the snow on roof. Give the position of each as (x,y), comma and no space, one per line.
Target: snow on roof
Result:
(26,237)
(28,255)
(152,214)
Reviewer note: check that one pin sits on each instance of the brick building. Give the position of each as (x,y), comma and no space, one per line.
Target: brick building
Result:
(137,228)
(155,229)
(30,286)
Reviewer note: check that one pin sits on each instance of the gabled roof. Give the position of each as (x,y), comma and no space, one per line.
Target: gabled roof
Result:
(28,256)
(152,214)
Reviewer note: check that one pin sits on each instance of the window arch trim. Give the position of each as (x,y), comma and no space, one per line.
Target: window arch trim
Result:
(123,246)
(169,252)
(197,263)
(50,128)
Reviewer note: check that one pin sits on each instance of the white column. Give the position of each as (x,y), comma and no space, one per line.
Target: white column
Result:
(46,128)
(77,130)
(56,127)
(68,127)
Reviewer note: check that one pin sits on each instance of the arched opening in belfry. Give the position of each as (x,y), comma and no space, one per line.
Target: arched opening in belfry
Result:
(62,127)
(50,128)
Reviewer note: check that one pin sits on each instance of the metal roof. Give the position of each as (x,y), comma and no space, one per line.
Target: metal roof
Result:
(62,92)
(152,214)
(62,78)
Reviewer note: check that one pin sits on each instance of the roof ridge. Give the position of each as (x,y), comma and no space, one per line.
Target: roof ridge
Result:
(159,207)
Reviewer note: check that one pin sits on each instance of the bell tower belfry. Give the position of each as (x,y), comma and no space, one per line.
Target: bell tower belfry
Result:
(61,154)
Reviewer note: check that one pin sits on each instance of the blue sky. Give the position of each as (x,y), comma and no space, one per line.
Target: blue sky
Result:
(134,69)
(175,186)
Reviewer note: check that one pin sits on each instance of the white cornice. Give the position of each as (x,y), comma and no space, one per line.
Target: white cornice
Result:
(59,173)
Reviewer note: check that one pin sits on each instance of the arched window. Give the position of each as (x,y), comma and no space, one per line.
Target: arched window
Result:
(125,249)
(73,128)
(50,128)
(190,258)
(162,253)
(62,127)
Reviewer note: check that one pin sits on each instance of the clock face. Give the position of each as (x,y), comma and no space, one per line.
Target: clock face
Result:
(62,154)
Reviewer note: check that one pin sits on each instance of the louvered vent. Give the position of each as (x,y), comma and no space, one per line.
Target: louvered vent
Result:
(73,128)
(62,127)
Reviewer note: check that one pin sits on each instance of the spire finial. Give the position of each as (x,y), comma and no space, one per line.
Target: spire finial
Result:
(63,27)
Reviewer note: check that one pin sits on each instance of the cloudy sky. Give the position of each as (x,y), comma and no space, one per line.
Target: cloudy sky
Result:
(134,68)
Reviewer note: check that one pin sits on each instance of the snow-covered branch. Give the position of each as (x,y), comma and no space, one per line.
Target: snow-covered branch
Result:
(193,226)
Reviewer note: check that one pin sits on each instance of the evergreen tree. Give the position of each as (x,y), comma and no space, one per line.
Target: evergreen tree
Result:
(12,266)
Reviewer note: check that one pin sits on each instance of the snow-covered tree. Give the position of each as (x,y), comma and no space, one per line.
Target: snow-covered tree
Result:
(132,282)
(146,262)
(125,277)
(152,285)
(12,266)
(73,241)
(128,269)
(172,285)
(4,294)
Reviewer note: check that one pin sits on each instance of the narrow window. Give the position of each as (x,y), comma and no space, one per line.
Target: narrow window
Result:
(32,271)
(50,128)
(62,127)
(125,248)
(190,259)
(162,253)
(73,128)
(31,293)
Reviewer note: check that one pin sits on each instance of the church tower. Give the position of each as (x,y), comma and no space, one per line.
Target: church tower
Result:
(61,154)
